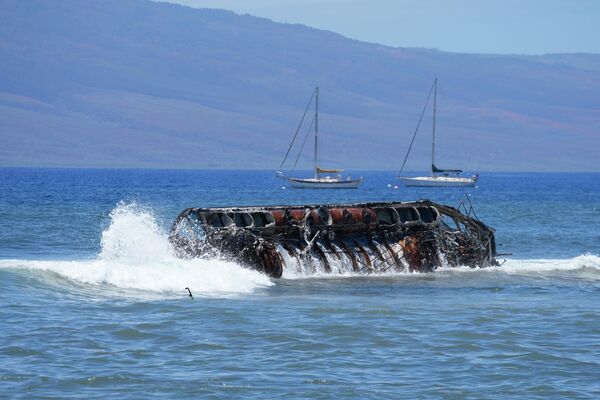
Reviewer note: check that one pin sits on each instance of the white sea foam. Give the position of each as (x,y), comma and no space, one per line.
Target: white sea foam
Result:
(136,255)
(134,235)
(585,266)
(579,263)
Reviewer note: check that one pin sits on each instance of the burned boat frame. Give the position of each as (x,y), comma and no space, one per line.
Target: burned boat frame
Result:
(362,238)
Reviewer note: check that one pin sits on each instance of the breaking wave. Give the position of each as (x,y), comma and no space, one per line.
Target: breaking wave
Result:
(585,266)
(589,262)
(136,254)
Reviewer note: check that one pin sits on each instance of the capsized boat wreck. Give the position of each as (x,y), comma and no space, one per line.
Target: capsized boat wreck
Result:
(337,238)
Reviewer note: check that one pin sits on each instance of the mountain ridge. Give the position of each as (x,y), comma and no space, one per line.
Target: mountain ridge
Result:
(136,83)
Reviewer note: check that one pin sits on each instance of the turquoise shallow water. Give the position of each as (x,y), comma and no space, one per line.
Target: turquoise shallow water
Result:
(92,302)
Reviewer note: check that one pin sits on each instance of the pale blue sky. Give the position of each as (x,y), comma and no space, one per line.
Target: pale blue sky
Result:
(470,26)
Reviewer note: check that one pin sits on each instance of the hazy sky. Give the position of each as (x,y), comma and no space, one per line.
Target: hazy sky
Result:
(471,26)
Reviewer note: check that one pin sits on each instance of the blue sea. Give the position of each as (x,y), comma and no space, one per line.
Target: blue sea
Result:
(92,301)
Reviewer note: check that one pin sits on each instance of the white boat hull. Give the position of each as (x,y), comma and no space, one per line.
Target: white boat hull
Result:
(439,181)
(312,183)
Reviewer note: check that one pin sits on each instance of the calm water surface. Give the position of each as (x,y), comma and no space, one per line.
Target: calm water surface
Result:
(92,302)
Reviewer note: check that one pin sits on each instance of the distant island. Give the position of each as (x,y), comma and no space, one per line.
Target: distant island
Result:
(137,83)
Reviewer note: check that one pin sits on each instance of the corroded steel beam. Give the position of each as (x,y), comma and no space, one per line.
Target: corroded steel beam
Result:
(367,237)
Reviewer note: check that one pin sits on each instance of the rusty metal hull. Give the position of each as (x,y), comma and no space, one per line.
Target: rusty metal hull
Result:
(336,238)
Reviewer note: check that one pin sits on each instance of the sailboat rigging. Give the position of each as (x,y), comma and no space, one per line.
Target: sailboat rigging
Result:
(439,177)
(321,178)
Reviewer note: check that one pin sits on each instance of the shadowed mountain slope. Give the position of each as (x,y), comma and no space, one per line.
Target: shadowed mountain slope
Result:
(134,83)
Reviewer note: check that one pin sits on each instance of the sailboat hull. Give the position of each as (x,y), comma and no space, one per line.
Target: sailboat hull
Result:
(439,181)
(313,183)
(319,181)
(439,177)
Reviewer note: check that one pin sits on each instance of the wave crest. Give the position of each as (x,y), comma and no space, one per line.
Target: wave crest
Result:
(582,262)
(136,254)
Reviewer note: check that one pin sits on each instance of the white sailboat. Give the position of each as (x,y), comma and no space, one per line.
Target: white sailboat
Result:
(439,177)
(323,178)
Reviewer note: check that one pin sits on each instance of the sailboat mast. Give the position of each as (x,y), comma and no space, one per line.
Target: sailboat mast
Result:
(316,128)
(433,136)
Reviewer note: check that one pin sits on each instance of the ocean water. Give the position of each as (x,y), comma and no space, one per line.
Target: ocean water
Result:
(92,302)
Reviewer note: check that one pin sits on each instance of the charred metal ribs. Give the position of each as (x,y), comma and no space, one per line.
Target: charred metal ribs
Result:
(336,238)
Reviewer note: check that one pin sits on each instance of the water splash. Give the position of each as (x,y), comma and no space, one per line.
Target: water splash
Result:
(134,235)
(136,254)
(583,262)
(585,266)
